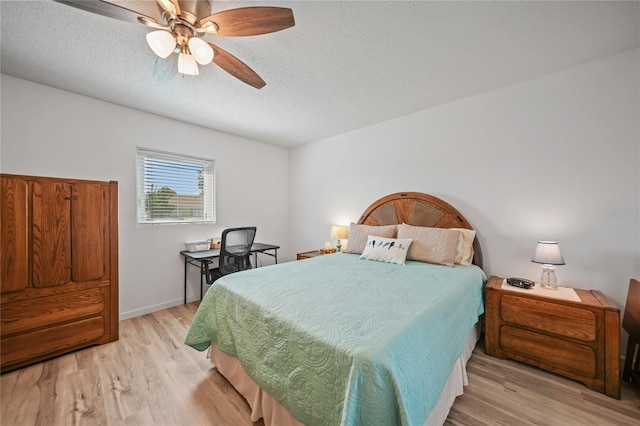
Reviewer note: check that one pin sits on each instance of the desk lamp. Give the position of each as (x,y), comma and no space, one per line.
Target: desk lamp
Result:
(340,233)
(548,254)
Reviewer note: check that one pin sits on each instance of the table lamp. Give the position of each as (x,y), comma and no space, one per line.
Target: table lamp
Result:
(340,233)
(548,254)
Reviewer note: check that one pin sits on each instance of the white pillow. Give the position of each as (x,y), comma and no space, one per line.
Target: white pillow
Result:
(464,250)
(390,250)
(358,235)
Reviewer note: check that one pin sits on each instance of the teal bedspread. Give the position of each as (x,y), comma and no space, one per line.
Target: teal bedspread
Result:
(342,341)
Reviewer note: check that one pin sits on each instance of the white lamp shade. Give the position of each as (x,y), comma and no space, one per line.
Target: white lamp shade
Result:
(548,253)
(201,51)
(339,232)
(161,42)
(187,64)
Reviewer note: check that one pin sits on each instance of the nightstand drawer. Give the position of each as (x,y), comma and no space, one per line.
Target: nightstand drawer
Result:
(549,317)
(314,253)
(553,353)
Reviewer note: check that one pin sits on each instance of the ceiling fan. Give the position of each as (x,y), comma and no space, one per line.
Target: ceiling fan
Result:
(186,22)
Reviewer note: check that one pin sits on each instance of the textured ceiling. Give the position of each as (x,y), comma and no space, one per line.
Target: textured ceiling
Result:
(343,66)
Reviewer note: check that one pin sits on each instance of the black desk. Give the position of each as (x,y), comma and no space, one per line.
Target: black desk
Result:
(198,259)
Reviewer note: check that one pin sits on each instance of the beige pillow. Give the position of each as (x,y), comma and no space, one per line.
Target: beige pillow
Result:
(432,245)
(464,250)
(358,235)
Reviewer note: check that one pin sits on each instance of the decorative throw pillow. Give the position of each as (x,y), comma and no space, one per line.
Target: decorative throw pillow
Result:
(432,245)
(464,250)
(388,250)
(358,235)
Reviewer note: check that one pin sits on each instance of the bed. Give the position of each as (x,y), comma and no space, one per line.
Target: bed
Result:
(354,338)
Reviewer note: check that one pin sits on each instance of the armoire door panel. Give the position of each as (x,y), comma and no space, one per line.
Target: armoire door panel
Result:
(88,245)
(14,235)
(51,233)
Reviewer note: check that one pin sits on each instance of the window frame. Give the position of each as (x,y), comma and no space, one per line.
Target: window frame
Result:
(208,191)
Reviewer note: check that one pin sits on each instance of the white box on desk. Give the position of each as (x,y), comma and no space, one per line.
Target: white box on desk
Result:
(198,245)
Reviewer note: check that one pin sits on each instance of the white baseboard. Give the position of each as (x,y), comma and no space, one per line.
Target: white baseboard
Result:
(154,308)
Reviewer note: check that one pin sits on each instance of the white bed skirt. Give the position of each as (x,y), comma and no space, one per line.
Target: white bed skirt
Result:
(266,407)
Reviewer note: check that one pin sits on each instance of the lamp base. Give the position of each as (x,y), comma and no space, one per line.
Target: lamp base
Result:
(548,286)
(548,278)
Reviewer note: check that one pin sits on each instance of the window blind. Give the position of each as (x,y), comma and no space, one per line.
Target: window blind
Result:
(174,188)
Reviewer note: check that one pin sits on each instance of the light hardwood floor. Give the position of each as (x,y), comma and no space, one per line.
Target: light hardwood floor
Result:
(149,377)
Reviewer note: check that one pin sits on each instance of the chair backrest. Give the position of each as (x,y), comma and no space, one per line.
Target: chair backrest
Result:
(631,318)
(235,249)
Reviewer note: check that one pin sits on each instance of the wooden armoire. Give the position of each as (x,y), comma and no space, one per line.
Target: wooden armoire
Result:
(58,267)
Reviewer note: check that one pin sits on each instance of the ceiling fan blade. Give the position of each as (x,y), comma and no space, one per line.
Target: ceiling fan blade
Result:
(236,67)
(164,70)
(150,22)
(172,7)
(248,21)
(105,8)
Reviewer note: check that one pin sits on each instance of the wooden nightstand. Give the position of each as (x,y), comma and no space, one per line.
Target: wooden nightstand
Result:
(576,339)
(312,253)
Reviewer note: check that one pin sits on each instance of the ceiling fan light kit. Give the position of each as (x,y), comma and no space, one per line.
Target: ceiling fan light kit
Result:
(161,42)
(187,64)
(183,28)
(201,51)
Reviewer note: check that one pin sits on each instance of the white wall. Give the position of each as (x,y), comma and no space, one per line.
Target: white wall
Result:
(49,132)
(553,158)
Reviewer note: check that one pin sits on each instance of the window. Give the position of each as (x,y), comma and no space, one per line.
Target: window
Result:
(174,188)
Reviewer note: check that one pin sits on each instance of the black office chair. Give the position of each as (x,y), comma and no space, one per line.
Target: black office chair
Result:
(235,253)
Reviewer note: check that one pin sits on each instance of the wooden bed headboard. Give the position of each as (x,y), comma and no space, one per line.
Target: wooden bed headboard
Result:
(418,209)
